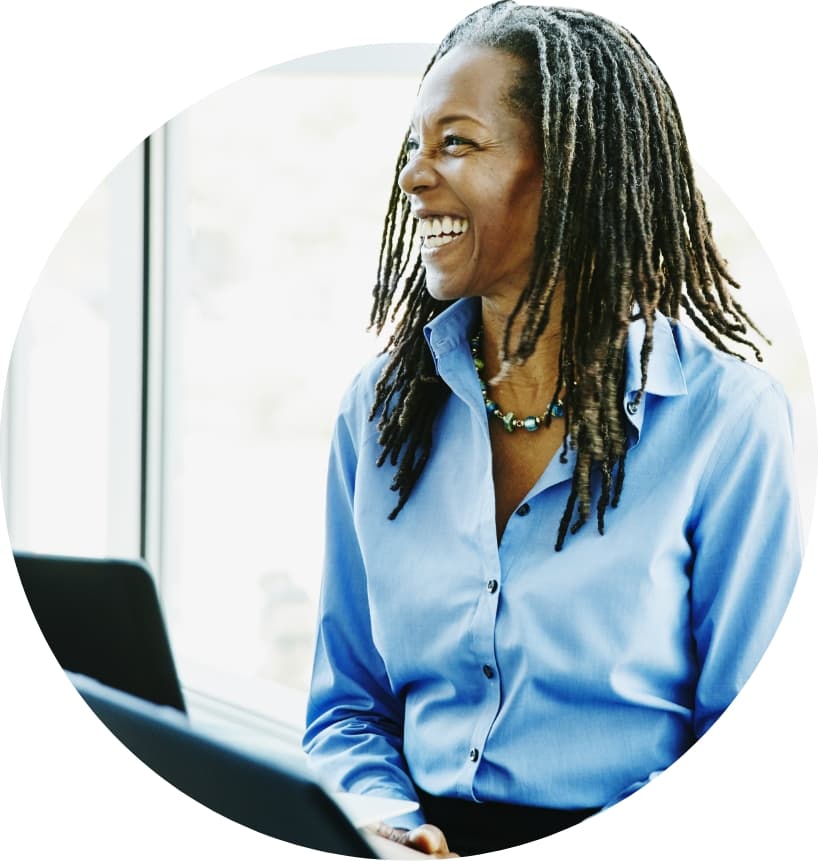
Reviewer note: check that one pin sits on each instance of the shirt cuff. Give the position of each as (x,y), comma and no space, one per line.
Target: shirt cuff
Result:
(629,790)
(407,820)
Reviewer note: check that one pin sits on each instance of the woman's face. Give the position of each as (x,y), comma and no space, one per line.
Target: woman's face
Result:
(473,177)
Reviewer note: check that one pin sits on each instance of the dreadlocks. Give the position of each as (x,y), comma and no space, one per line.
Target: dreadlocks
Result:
(621,223)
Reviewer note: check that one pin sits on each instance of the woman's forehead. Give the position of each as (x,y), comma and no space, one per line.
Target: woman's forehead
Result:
(468,83)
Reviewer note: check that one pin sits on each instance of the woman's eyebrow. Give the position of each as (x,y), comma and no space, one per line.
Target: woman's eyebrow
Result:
(453,118)
(450,118)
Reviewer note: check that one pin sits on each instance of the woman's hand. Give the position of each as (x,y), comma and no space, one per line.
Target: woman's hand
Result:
(426,838)
(431,840)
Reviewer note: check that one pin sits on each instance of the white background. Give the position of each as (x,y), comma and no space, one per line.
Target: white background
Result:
(83,83)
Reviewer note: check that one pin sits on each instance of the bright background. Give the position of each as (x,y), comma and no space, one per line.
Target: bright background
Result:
(267,206)
(76,115)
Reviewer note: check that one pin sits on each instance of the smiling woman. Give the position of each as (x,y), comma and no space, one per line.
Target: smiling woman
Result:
(475,161)
(478,649)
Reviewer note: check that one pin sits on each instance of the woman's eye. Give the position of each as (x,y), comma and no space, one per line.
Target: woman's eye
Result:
(449,142)
(455,142)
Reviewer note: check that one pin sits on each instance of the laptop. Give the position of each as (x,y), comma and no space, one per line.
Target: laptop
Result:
(102,620)
(253,790)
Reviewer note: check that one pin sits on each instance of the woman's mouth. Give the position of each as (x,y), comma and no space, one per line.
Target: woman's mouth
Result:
(437,231)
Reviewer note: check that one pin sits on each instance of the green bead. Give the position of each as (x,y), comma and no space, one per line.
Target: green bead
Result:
(479,363)
(508,421)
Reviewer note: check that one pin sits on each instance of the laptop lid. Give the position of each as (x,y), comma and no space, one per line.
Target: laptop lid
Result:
(269,795)
(101,618)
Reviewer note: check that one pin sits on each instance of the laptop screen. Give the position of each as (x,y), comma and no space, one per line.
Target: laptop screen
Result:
(101,618)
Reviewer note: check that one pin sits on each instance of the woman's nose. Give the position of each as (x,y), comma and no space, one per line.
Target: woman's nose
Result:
(417,174)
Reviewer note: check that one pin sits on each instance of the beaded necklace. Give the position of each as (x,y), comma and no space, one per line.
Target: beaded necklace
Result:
(555,409)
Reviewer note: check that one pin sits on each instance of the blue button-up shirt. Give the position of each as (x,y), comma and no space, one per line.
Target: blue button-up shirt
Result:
(560,679)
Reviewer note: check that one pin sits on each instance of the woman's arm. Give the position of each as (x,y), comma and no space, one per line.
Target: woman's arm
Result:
(354,733)
(746,541)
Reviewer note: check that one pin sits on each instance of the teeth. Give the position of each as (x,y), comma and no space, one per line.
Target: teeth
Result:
(437,241)
(440,231)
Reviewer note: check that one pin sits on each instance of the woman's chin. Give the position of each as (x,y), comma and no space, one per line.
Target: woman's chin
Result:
(444,289)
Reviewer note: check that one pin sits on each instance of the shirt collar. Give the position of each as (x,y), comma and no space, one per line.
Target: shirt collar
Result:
(665,374)
(452,326)
(666,378)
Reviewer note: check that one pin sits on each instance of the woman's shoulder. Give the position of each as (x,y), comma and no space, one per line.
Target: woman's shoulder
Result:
(717,378)
(358,399)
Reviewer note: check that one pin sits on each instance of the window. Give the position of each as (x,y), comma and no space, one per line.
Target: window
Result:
(71,417)
(277,187)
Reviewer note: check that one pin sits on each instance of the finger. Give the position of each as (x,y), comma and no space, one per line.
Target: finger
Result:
(396,835)
(429,839)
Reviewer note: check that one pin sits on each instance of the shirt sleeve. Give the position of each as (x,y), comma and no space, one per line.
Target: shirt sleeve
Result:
(746,540)
(354,734)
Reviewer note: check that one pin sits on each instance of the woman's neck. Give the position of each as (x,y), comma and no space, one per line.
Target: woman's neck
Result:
(534,381)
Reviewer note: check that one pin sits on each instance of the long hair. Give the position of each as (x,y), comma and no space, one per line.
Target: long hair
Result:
(622,224)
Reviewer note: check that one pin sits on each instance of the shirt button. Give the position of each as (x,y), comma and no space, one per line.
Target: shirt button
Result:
(632,407)
(488,672)
(474,754)
(524,509)
(492,586)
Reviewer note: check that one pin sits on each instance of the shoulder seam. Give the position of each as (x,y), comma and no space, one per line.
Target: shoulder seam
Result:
(733,421)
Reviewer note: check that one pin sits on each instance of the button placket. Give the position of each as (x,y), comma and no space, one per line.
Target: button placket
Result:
(482,642)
